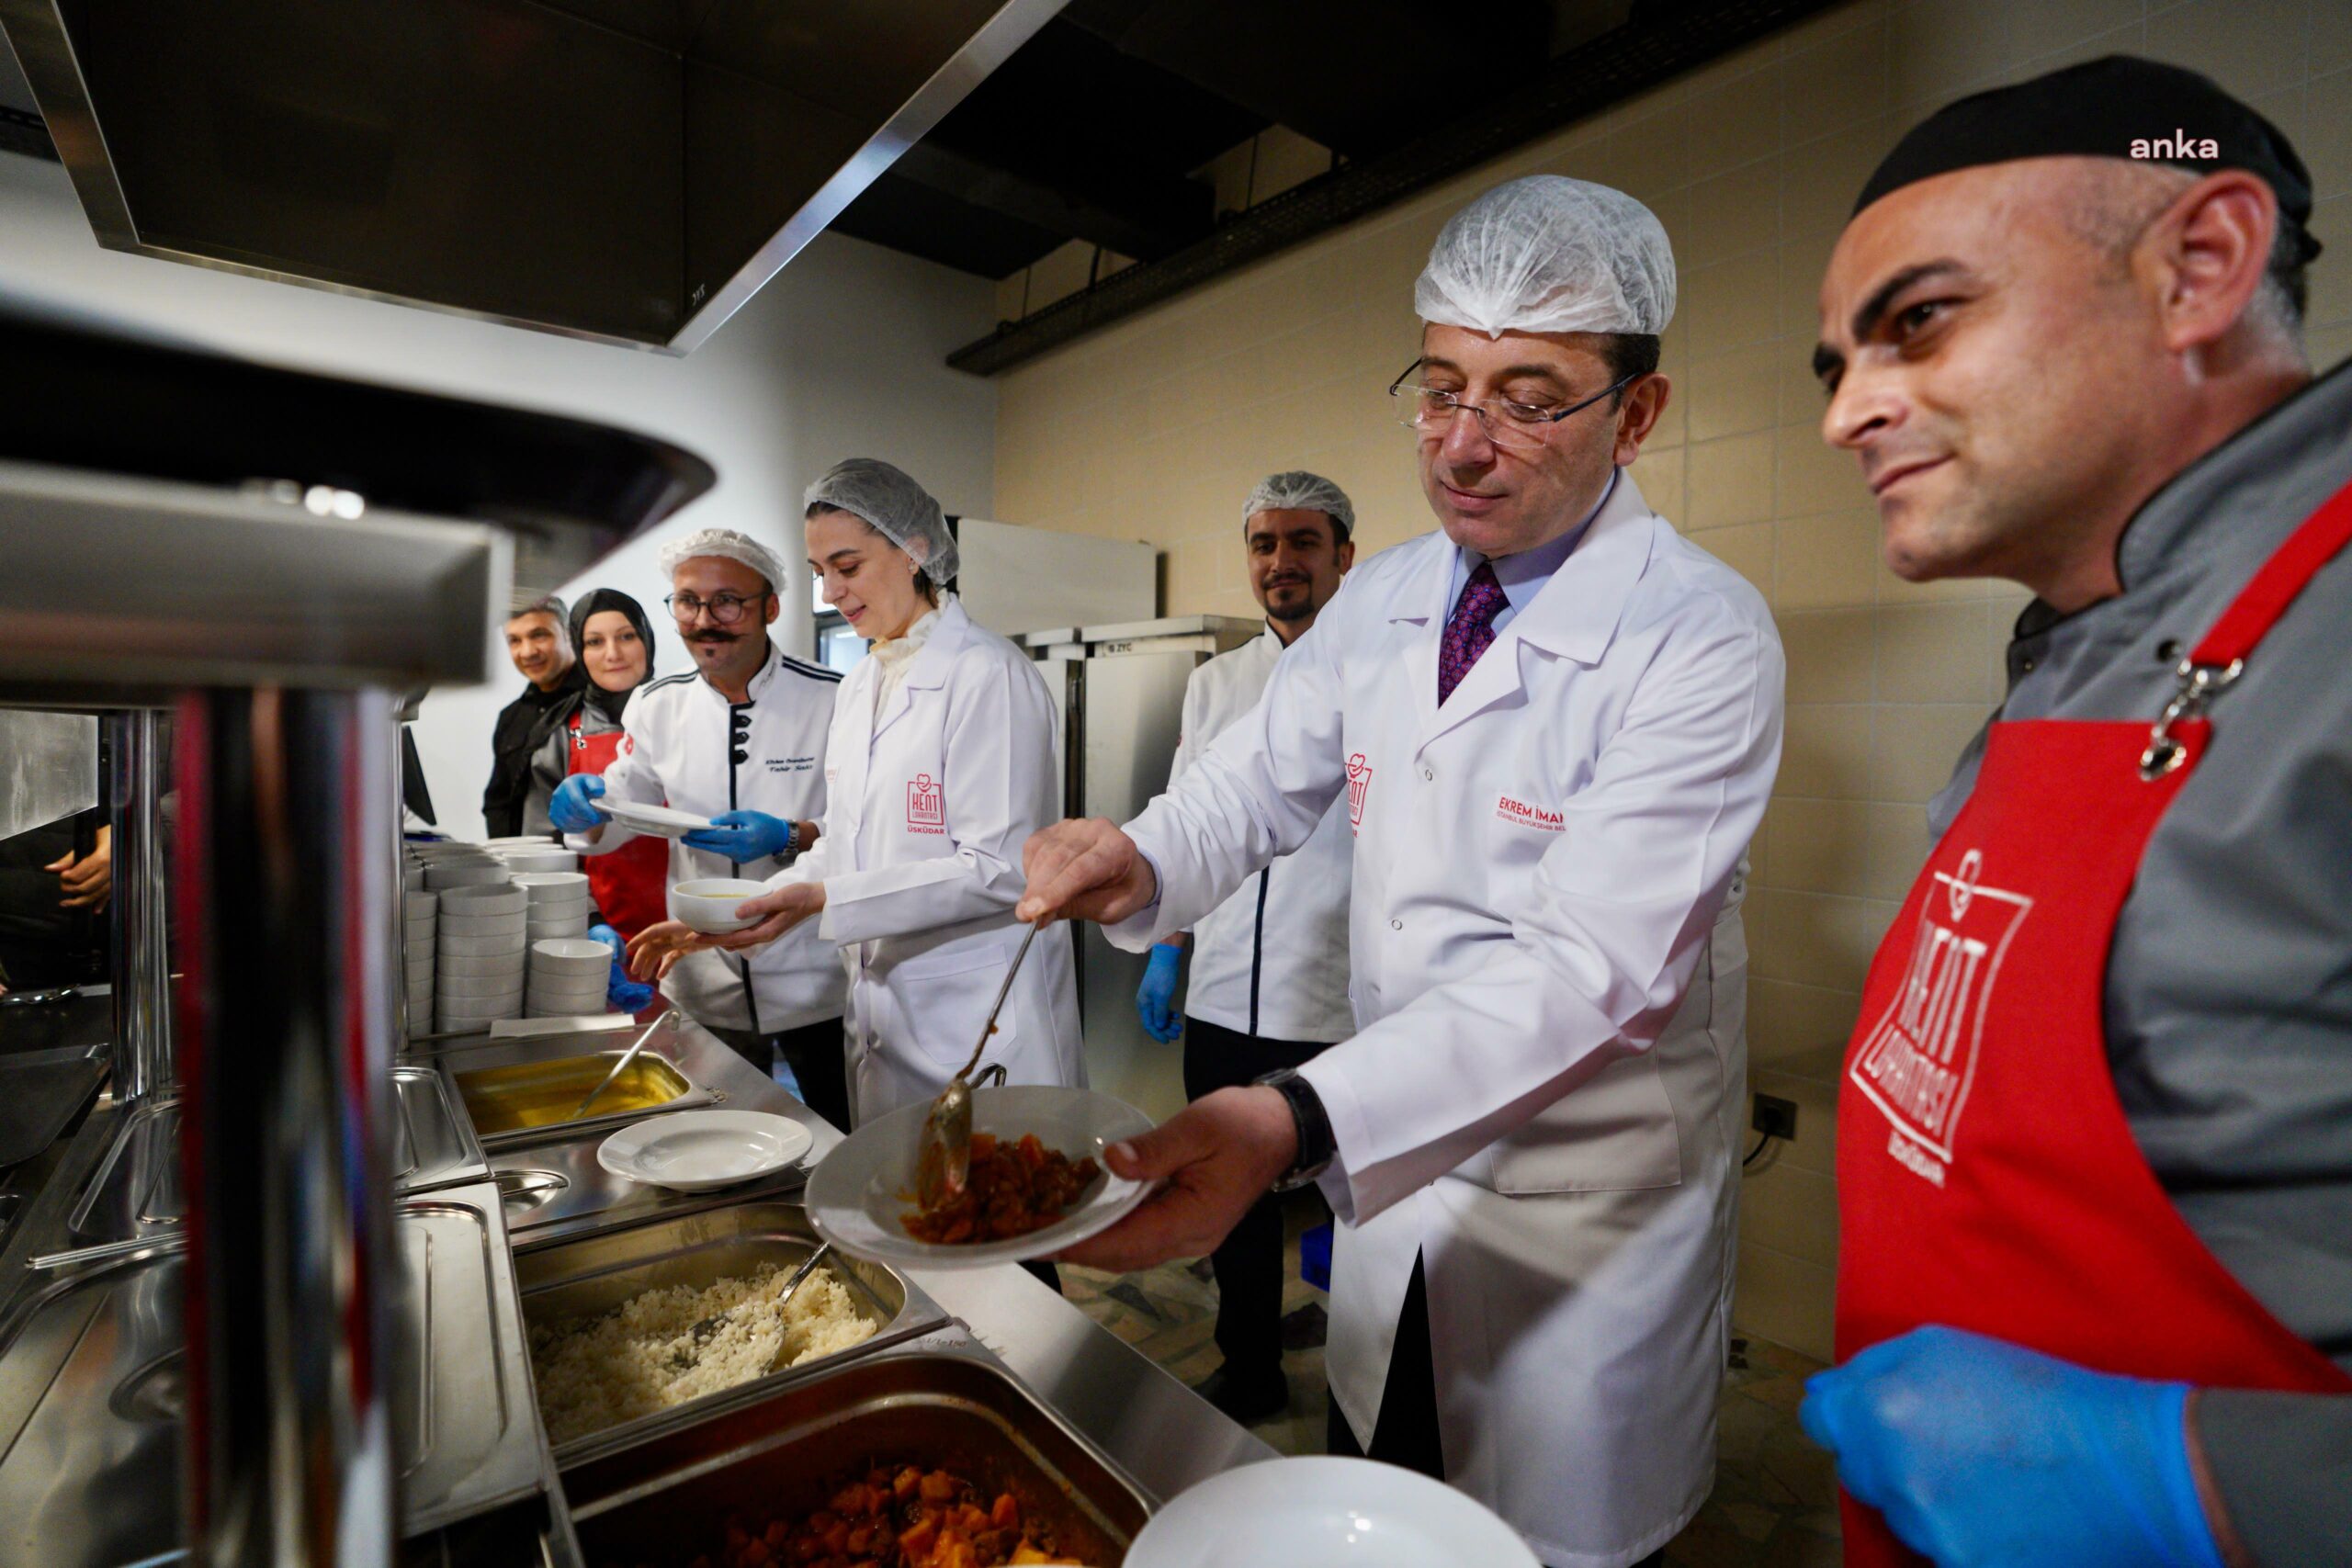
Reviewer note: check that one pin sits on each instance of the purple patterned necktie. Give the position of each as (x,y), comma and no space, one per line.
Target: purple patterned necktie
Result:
(1470,630)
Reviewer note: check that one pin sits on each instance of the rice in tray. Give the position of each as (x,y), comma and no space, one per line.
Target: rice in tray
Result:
(642,1357)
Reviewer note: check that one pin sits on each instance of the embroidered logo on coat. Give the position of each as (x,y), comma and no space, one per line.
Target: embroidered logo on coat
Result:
(1526,815)
(926,807)
(1917,1062)
(1359,780)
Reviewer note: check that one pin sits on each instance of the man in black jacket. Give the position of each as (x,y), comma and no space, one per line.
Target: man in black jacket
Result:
(538,641)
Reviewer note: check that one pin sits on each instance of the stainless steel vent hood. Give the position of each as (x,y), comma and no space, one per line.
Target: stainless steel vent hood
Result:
(630,171)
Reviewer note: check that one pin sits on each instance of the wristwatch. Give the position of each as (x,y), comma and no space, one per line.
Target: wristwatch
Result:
(1315,1144)
(791,850)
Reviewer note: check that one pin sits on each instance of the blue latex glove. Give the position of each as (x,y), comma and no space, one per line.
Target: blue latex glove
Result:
(570,809)
(1155,999)
(1980,1452)
(621,993)
(743,836)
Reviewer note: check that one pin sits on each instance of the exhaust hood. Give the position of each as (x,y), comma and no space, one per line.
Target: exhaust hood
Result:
(628,170)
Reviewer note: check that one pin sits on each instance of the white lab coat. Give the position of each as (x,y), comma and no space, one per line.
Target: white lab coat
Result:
(1272,960)
(1544,1100)
(928,806)
(677,751)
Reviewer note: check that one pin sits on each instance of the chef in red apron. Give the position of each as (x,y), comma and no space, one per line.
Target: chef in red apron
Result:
(2108,1040)
(583,735)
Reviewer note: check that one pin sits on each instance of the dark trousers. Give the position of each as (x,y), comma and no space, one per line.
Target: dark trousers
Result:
(818,1056)
(1406,1431)
(1249,1262)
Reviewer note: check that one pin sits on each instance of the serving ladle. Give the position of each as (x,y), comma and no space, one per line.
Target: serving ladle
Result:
(944,1163)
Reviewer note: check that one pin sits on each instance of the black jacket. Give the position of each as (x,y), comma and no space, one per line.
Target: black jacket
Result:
(510,749)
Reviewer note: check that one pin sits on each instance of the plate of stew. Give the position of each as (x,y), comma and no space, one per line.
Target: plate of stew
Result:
(1038,1181)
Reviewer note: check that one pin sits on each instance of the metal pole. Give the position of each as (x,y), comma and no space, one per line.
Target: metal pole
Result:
(285,1038)
(142,964)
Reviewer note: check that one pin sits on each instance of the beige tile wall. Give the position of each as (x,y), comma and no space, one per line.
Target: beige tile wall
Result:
(1158,428)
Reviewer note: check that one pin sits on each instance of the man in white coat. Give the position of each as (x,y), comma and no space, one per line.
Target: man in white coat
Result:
(1556,723)
(1268,982)
(741,742)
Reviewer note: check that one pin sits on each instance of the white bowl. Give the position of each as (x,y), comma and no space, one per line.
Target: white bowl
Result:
(443,877)
(707,904)
(423,901)
(1316,1509)
(565,1004)
(420,930)
(479,925)
(552,886)
(570,954)
(540,859)
(544,931)
(494,1004)
(413,879)
(447,985)
(478,899)
(509,964)
(559,909)
(510,946)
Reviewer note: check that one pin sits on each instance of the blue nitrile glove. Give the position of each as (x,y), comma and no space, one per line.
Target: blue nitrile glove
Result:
(1155,999)
(570,809)
(621,993)
(743,836)
(1980,1452)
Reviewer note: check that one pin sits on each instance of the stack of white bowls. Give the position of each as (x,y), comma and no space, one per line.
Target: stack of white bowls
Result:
(464,866)
(559,902)
(479,963)
(537,855)
(420,906)
(568,975)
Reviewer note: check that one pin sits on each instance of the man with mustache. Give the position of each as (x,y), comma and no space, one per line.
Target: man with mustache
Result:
(1269,987)
(1554,723)
(2095,1139)
(741,741)
(539,641)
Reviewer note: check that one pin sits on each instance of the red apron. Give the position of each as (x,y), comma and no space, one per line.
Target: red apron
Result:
(1986,1176)
(631,884)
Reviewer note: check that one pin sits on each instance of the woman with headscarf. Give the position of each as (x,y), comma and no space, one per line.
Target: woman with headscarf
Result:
(582,734)
(939,765)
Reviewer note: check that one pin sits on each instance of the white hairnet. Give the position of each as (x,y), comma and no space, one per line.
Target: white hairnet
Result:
(1550,254)
(902,510)
(727,544)
(1297,490)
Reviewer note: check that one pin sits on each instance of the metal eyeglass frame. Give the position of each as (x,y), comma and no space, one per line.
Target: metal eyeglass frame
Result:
(670,602)
(1490,414)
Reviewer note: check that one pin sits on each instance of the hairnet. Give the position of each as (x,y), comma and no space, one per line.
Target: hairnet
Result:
(901,510)
(1297,490)
(1550,254)
(727,544)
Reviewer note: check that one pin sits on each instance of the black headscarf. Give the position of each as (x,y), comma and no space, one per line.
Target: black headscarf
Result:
(595,601)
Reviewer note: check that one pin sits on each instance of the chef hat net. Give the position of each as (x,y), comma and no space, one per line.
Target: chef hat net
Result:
(1550,254)
(728,544)
(1299,490)
(901,510)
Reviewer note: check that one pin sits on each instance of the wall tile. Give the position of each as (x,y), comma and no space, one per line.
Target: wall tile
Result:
(1820,179)
(1815,939)
(1831,653)
(1731,303)
(1816,847)
(1786,1300)
(2250,46)
(1815,1097)
(1814,477)
(1843,79)
(1650,156)
(1942,48)
(1825,750)
(1786,1020)
(1729,481)
(1916,746)
(1728,215)
(1791,1210)
(1930,653)
(1732,393)
(2048,26)
(1826,561)
(1748,550)
(1659,475)
(1894,846)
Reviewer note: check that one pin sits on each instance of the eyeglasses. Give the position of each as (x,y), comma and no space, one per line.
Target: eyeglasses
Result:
(1504,421)
(725,608)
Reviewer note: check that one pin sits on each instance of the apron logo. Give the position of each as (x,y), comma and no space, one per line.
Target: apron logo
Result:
(926,807)
(1526,815)
(1920,1058)
(1359,780)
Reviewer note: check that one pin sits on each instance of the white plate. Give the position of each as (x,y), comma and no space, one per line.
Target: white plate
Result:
(860,1192)
(552,886)
(695,1151)
(1346,1512)
(656,820)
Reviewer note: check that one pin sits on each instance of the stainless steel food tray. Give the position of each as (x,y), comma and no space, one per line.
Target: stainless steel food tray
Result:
(668,1500)
(573,1281)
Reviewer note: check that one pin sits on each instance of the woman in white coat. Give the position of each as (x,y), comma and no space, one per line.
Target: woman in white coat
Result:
(939,766)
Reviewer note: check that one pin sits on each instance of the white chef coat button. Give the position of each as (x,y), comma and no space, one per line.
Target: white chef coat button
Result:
(1429,774)
(1395,925)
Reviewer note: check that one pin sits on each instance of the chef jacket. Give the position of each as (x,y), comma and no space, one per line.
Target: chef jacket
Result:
(2229,996)
(687,747)
(1272,960)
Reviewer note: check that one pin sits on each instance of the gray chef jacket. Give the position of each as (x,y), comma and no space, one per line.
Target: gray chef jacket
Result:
(2229,989)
